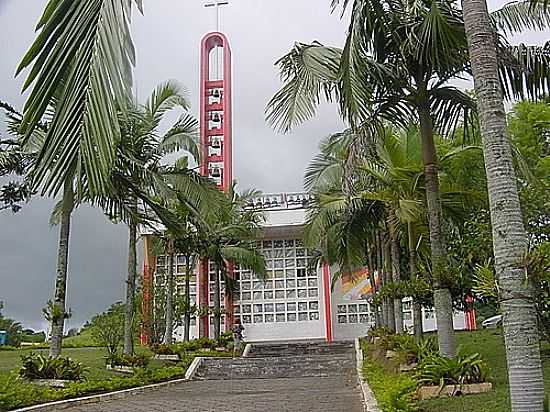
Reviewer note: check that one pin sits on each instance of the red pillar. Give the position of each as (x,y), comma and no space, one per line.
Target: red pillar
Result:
(216,143)
(149,266)
(328,302)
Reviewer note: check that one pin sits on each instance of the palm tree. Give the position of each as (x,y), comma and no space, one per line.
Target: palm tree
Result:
(395,67)
(509,238)
(230,242)
(190,242)
(392,178)
(140,172)
(81,68)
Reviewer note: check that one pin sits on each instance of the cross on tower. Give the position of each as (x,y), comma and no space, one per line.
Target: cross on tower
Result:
(217,5)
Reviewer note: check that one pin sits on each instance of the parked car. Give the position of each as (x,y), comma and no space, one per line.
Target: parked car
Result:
(492,323)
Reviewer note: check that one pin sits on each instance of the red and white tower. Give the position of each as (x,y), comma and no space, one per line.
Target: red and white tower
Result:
(215,124)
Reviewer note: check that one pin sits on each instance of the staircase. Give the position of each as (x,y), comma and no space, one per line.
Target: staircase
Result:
(289,360)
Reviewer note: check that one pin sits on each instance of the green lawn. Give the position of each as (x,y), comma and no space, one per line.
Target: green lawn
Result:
(93,358)
(491,346)
(389,386)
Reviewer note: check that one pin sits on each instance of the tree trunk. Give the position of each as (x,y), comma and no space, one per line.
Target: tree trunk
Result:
(509,237)
(187,316)
(395,269)
(442,295)
(371,267)
(130,291)
(417,308)
(380,267)
(169,318)
(217,303)
(390,308)
(58,315)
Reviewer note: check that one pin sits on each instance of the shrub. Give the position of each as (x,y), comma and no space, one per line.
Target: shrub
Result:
(465,369)
(164,349)
(15,393)
(411,351)
(394,391)
(134,361)
(379,331)
(37,366)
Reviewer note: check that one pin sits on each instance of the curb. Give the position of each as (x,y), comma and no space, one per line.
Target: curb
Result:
(109,396)
(192,369)
(370,403)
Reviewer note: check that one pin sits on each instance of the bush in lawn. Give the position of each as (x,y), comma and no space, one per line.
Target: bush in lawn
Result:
(134,361)
(15,393)
(37,366)
(164,349)
(464,369)
(107,328)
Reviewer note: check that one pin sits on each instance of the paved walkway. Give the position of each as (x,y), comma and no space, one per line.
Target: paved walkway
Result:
(315,394)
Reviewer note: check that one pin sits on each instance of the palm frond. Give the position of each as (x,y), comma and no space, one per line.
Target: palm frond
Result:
(183,135)
(309,73)
(519,16)
(451,107)
(246,257)
(165,97)
(81,63)
(525,70)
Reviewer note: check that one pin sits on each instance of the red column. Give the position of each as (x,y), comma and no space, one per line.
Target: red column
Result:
(216,143)
(149,263)
(328,303)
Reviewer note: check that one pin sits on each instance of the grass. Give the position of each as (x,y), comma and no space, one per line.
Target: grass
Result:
(392,389)
(93,358)
(490,344)
(15,393)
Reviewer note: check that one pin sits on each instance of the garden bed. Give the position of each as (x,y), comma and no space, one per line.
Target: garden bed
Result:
(173,358)
(52,383)
(397,392)
(430,392)
(121,369)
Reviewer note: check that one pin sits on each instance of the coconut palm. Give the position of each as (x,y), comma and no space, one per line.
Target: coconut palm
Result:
(509,236)
(230,242)
(395,67)
(81,71)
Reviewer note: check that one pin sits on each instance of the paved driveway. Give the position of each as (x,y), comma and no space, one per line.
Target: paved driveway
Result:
(316,394)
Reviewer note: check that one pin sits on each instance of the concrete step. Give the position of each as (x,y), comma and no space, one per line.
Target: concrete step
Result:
(276,367)
(288,349)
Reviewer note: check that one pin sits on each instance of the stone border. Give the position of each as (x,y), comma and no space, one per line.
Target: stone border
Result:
(370,403)
(109,396)
(247,349)
(192,369)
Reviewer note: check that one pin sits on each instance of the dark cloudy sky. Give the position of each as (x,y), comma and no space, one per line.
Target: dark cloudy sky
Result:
(167,42)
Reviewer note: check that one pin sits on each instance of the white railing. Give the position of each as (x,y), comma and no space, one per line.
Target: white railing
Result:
(280,201)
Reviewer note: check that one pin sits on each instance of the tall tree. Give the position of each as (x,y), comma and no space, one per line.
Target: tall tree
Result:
(395,67)
(81,70)
(230,242)
(141,176)
(509,237)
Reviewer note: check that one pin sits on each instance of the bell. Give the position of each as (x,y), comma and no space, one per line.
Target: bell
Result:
(216,143)
(216,172)
(216,118)
(216,94)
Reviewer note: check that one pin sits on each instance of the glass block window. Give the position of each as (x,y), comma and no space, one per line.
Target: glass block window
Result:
(291,291)
(354,313)
(179,276)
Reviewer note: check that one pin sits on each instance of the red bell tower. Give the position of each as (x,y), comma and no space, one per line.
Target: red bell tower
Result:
(216,140)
